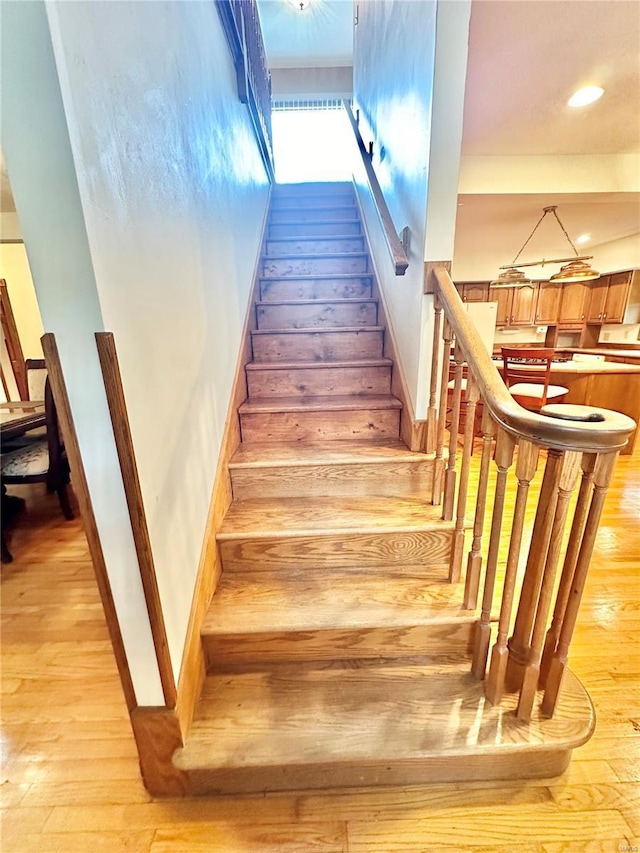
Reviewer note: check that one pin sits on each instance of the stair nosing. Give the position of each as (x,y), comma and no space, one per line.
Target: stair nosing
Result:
(342,300)
(322,276)
(320,255)
(375,402)
(318,365)
(285,222)
(326,533)
(294,238)
(317,329)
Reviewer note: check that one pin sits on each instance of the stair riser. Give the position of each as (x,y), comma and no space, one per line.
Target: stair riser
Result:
(324,381)
(314,229)
(323,315)
(253,652)
(365,424)
(349,550)
(302,246)
(390,479)
(317,189)
(313,214)
(292,267)
(318,346)
(538,764)
(312,200)
(283,290)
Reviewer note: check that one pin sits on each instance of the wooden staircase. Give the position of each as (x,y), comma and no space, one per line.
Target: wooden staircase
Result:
(337,652)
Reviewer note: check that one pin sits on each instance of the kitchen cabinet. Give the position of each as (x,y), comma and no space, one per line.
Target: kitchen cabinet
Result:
(618,298)
(548,304)
(573,303)
(597,299)
(475,291)
(610,299)
(516,305)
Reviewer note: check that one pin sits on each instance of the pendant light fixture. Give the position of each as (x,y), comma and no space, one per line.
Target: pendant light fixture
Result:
(577,268)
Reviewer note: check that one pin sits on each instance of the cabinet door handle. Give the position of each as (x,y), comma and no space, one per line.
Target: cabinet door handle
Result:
(600,316)
(582,318)
(604,317)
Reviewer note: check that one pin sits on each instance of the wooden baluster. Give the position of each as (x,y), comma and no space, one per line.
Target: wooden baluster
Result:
(450,474)
(538,548)
(526,466)
(601,479)
(474,561)
(503,458)
(568,480)
(430,444)
(438,462)
(570,560)
(470,402)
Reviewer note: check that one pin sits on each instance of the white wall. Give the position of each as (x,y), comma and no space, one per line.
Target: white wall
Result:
(14,268)
(173,195)
(394,53)
(36,146)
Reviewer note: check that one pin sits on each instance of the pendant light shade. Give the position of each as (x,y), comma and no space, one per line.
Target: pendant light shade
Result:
(510,278)
(575,271)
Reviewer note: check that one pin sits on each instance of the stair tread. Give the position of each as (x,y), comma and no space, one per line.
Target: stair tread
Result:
(318,365)
(289,517)
(320,276)
(322,453)
(276,601)
(322,256)
(308,237)
(300,717)
(316,330)
(352,402)
(283,222)
(342,300)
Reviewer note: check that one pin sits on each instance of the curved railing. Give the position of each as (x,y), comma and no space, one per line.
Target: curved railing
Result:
(538,612)
(394,243)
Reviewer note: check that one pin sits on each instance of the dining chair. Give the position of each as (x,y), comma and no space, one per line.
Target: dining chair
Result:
(41,461)
(527,375)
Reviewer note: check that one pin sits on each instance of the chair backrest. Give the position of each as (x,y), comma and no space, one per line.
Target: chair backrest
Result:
(528,365)
(36,371)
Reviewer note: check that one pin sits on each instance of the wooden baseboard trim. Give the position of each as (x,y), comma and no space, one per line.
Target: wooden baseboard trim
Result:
(124,444)
(193,668)
(157,735)
(81,490)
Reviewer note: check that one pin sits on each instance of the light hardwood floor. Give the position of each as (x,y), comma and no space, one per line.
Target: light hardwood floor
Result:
(70,776)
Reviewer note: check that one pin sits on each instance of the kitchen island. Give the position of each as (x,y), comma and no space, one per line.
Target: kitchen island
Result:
(604,384)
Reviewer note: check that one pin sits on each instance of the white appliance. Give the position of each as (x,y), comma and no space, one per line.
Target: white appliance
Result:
(483,316)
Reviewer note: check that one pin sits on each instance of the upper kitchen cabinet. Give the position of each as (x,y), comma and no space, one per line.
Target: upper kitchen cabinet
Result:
(548,304)
(573,303)
(473,291)
(615,298)
(516,305)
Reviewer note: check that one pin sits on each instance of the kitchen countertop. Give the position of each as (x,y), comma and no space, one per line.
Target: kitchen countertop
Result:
(580,367)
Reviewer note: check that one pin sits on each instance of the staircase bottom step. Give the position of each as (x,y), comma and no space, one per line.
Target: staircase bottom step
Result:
(295,729)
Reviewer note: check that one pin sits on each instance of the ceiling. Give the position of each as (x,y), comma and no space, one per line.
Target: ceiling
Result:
(319,36)
(526,57)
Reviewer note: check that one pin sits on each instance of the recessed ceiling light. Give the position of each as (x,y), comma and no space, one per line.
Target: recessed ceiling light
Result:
(584,96)
(583,238)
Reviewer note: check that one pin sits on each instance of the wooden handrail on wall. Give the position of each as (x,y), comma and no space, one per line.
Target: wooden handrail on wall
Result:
(394,244)
(578,444)
(241,25)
